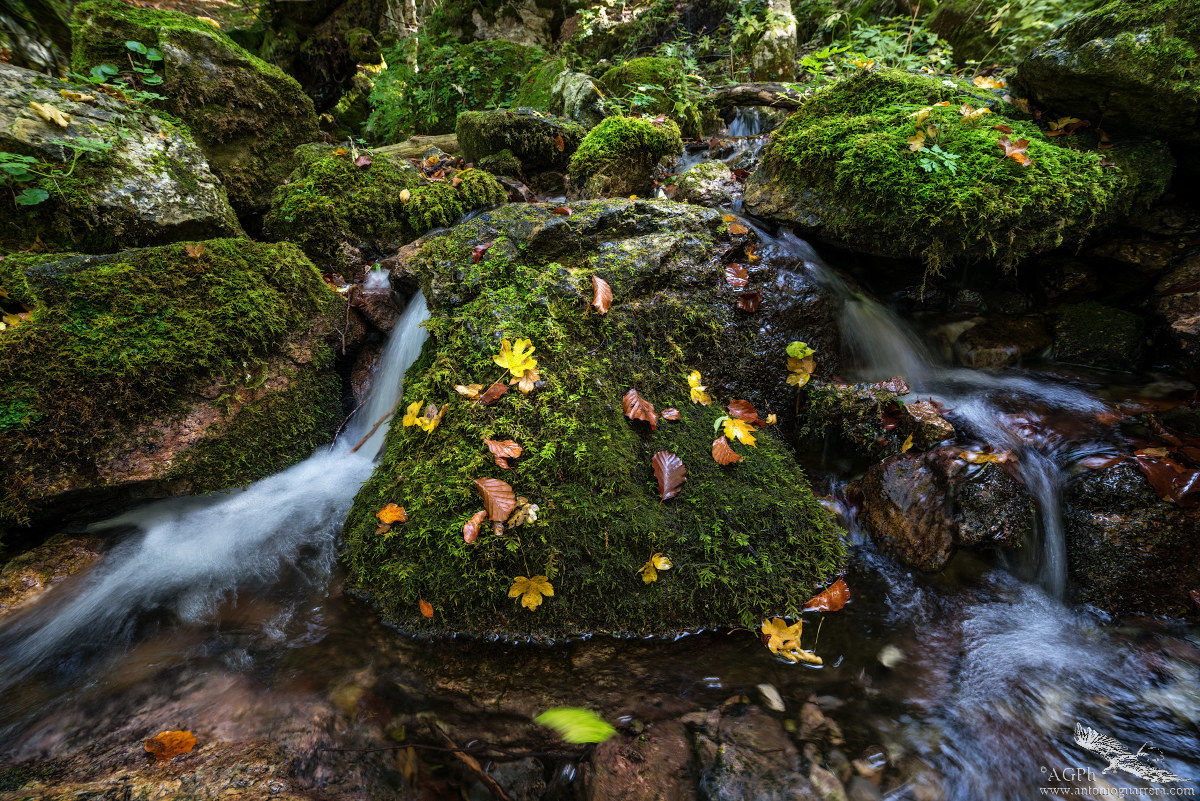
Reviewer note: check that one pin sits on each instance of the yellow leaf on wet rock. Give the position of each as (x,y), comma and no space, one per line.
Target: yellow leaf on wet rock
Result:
(654,564)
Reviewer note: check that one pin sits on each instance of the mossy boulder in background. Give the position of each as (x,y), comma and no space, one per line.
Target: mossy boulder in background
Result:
(617,158)
(667,83)
(773,57)
(1096,335)
(842,169)
(745,540)
(116,176)
(343,215)
(176,369)
(553,88)
(247,115)
(540,144)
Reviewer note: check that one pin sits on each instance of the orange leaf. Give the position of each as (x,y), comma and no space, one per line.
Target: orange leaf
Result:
(478,251)
(670,414)
(737,229)
(603,294)
(503,450)
(498,498)
(831,600)
(559,143)
(670,472)
(563,210)
(170,744)
(194,250)
(722,453)
(426,608)
(493,393)
(744,410)
(471,528)
(392,514)
(638,408)
(736,275)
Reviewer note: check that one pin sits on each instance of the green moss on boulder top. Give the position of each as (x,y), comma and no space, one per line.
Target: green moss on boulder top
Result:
(342,215)
(841,168)
(668,82)
(542,144)
(617,158)
(745,540)
(535,89)
(246,114)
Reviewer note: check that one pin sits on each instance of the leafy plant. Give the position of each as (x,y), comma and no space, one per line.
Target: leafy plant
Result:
(130,83)
(934,159)
(32,181)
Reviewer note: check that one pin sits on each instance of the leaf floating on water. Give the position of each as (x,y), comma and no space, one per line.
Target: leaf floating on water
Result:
(986,457)
(723,454)
(602,294)
(503,451)
(498,498)
(493,394)
(531,590)
(638,408)
(670,473)
(670,414)
(576,725)
(425,607)
(744,410)
(471,527)
(654,564)
(737,276)
(170,744)
(831,600)
(1101,461)
(784,641)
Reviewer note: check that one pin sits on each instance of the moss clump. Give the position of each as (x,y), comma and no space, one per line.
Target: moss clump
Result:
(745,540)
(330,204)
(662,84)
(619,155)
(132,338)
(535,88)
(541,144)
(452,78)
(1099,336)
(842,168)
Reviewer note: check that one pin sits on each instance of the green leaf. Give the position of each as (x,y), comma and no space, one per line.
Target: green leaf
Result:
(136,47)
(576,725)
(799,350)
(31,197)
(720,422)
(103,71)
(153,54)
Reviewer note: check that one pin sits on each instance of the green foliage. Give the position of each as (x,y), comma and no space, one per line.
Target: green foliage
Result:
(654,85)
(992,31)
(32,181)
(934,159)
(576,725)
(534,89)
(901,42)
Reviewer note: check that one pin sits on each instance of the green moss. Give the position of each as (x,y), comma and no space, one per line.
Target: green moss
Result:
(541,143)
(1100,336)
(456,78)
(845,159)
(329,202)
(745,540)
(534,90)
(620,154)
(663,87)
(129,335)
(501,163)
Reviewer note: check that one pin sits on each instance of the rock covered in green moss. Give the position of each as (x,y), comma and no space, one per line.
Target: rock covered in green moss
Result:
(452,79)
(1096,335)
(745,540)
(541,144)
(617,158)
(116,176)
(535,89)
(665,82)
(709,183)
(773,57)
(182,368)
(342,214)
(554,88)
(246,114)
(843,169)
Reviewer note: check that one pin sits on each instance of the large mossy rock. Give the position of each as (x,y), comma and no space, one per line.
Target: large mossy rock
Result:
(246,114)
(342,214)
(541,144)
(116,176)
(452,79)
(181,368)
(1132,65)
(553,88)
(617,158)
(745,540)
(668,89)
(841,168)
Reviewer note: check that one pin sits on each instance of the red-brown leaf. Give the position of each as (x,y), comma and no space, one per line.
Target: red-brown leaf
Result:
(425,607)
(744,410)
(559,143)
(670,414)
(503,450)
(737,229)
(1101,461)
(602,294)
(638,408)
(471,528)
(478,251)
(563,210)
(722,453)
(736,275)
(831,600)
(493,393)
(1170,479)
(749,301)
(670,472)
(363,161)
(498,498)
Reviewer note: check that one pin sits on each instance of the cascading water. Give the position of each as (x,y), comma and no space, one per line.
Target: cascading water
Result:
(192,553)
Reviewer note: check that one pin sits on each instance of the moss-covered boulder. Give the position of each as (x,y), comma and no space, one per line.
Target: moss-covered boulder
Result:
(247,115)
(1096,335)
(541,144)
(451,79)
(182,368)
(744,540)
(709,183)
(663,83)
(115,176)
(342,214)
(857,166)
(617,158)
(773,57)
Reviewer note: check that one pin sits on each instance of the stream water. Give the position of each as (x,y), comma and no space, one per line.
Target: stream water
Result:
(224,614)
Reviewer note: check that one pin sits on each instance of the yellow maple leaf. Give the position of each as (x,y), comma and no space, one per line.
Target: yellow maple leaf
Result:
(699,393)
(411,414)
(654,564)
(392,513)
(795,655)
(972,113)
(531,590)
(917,141)
(740,430)
(781,636)
(426,420)
(984,82)
(516,357)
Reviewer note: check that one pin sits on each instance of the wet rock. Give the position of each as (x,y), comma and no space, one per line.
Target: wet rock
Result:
(1129,551)
(709,183)
(998,342)
(743,754)
(926,424)
(773,56)
(859,789)
(862,419)
(144,183)
(1096,335)
(26,576)
(538,143)
(247,115)
(575,96)
(826,784)
(363,371)
(1177,304)
(522,779)
(652,766)
(418,146)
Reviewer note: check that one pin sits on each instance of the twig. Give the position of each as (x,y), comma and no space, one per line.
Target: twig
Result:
(472,765)
(378,423)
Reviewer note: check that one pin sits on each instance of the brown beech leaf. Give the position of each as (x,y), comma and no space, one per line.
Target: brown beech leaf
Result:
(425,607)
(744,410)
(503,450)
(478,251)
(1101,461)
(723,454)
(471,528)
(498,498)
(736,275)
(363,161)
(602,294)
(749,301)
(1004,129)
(737,229)
(1170,479)
(670,472)
(194,249)
(831,600)
(638,408)
(670,414)
(170,744)
(559,143)
(493,393)
(563,210)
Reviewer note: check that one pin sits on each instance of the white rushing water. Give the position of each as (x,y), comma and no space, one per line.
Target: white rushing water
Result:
(194,553)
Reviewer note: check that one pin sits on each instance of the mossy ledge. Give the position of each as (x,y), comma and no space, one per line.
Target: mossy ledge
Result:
(745,540)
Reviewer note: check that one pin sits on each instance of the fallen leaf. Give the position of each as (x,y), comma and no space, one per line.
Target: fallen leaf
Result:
(1100,461)
(831,600)
(51,114)
(736,275)
(984,82)
(563,210)
(602,294)
(341,151)
(744,410)
(737,429)
(363,161)
(698,390)
(559,143)
(1004,129)
(493,394)
(170,744)
(654,564)
(749,301)
(917,141)
(478,251)
(971,113)
(392,514)
(498,498)
(503,451)
(670,473)
(638,408)
(426,420)
(908,443)
(194,249)
(405,195)
(531,590)
(425,607)
(737,229)
(576,725)
(670,414)
(471,391)
(471,527)
(723,454)
(1015,150)
(527,381)
(78,97)
(986,457)
(516,357)
(1170,479)
(780,636)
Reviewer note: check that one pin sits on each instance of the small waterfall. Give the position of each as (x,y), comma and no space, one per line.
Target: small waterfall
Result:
(191,554)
